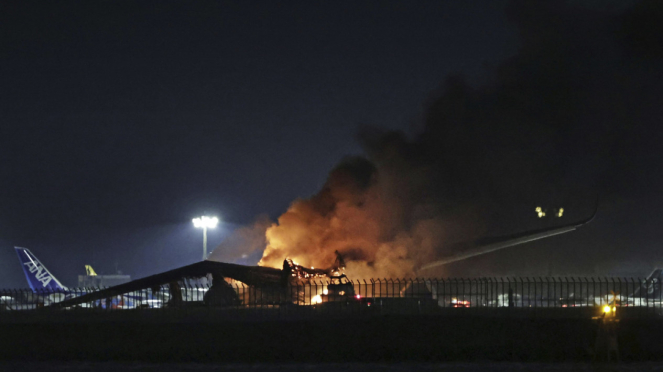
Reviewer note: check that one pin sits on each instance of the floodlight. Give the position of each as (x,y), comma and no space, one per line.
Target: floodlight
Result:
(205,223)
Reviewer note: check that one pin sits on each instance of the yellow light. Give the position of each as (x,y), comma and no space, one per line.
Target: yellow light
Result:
(560,213)
(606,309)
(325,291)
(539,212)
(316,299)
(614,309)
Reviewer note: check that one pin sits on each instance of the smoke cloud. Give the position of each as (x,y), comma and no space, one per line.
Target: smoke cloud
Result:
(244,242)
(573,114)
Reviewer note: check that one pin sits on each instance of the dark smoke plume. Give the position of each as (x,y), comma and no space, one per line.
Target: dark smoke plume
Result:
(573,114)
(244,242)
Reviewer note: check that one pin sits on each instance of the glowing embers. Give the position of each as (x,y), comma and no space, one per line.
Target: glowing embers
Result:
(459,303)
(300,272)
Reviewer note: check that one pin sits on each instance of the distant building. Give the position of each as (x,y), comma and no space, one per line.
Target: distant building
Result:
(86,281)
(92,280)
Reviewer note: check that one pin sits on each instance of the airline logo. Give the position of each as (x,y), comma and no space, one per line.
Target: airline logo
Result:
(39,272)
(36,273)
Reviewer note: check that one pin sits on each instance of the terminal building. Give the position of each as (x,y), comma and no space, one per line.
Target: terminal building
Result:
(92,280)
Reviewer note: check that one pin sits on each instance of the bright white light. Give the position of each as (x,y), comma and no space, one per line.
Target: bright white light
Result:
(316,299)
(205,222)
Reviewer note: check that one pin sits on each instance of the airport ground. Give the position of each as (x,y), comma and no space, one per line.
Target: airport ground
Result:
(331,367)
(379,339)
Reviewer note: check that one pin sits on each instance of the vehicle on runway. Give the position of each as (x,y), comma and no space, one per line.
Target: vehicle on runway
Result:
(340,288)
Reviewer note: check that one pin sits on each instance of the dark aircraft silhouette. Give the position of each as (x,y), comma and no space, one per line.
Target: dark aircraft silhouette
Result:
(269,279)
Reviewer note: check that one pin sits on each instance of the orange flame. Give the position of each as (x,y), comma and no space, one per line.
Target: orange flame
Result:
(364,223)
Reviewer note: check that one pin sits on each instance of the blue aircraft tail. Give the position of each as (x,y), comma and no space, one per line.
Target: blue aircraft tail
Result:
(38,276)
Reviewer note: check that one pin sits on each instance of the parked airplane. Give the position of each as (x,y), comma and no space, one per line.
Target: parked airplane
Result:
(648,292)
(48,290)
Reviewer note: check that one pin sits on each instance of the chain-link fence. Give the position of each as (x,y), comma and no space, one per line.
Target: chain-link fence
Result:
(566,296)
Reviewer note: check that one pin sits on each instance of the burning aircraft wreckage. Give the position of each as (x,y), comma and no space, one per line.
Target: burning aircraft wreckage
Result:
(279,286)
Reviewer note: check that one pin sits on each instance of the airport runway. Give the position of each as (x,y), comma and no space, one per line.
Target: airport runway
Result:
(343,367)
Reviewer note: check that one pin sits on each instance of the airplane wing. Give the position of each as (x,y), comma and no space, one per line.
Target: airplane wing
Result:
(251,275)
(491,244)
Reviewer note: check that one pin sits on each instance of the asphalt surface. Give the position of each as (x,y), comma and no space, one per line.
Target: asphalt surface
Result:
(342,367)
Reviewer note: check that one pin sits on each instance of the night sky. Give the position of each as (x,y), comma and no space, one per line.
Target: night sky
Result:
(121,121)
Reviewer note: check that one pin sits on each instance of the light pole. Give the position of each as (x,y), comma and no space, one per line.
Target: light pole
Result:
(205,222)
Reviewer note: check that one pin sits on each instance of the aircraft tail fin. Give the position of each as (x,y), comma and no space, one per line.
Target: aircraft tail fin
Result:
(650,287)
(90,271)
(38,276)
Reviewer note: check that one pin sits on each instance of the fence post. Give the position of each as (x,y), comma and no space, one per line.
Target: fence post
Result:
(444,291)
(500,296)
(372,288)
(621,293)
(568,290)
(643,288)
(633,290)
(536,299)
(512,302)
(554,284)
(657,289)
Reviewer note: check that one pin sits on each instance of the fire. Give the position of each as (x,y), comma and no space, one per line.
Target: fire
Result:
(359,219)
(301,272)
